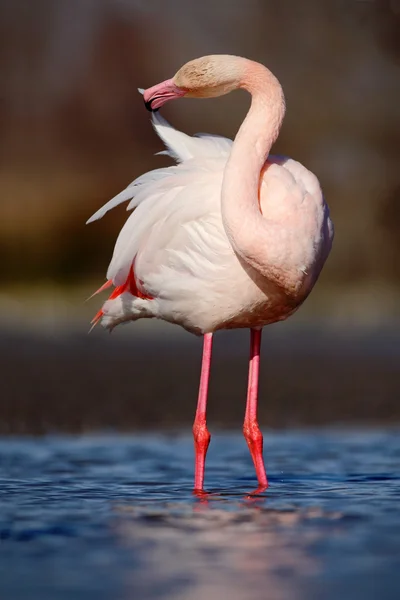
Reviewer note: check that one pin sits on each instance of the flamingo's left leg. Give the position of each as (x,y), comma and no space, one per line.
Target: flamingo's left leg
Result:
(251,429)
(200,432)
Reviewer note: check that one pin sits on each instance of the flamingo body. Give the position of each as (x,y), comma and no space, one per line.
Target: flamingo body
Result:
(184,264)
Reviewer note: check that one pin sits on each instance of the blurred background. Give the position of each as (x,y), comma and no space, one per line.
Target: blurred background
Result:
(74,133)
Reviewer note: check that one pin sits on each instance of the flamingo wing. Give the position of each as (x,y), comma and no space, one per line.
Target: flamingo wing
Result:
(179,146)
(176,208)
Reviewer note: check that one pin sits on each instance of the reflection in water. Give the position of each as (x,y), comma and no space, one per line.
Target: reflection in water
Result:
(208,550)
(115,517)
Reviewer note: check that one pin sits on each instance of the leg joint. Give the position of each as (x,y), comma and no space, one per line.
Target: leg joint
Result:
(201,434)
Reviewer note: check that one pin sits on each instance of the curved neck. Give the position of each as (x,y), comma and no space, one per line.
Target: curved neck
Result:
(245,226)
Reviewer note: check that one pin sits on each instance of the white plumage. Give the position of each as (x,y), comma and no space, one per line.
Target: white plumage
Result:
(181,253)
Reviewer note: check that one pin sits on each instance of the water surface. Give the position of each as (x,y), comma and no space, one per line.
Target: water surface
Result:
(114,517)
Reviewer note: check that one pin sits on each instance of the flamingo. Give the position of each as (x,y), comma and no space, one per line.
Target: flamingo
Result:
(231,236)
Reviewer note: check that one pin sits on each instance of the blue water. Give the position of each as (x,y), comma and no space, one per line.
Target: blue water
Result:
(114,518)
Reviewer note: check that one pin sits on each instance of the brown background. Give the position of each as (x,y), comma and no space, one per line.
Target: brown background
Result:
(74,132)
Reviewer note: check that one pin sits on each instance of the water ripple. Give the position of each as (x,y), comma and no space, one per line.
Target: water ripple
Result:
(115,517)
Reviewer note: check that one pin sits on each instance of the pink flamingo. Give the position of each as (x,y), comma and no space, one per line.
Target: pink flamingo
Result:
(229,237)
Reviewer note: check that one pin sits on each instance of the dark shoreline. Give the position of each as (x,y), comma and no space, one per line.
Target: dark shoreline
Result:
(78,383)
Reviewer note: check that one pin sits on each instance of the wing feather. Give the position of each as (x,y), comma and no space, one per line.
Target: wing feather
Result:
(192,154)
(168,198)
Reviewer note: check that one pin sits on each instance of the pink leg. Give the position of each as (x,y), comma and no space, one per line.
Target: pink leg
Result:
(200,432)
(251,429)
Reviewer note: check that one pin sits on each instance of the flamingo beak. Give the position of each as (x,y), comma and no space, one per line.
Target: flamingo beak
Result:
(161,93)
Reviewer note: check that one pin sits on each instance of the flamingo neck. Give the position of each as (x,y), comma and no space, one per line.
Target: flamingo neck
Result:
(245,226)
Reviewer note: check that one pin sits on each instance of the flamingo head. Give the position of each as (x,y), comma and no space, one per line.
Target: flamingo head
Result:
(204,77)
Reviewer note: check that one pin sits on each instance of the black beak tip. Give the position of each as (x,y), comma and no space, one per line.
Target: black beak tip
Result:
(148,106)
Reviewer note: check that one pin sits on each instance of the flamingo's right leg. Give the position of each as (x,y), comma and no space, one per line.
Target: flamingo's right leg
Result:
(251,429)
(200,432)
